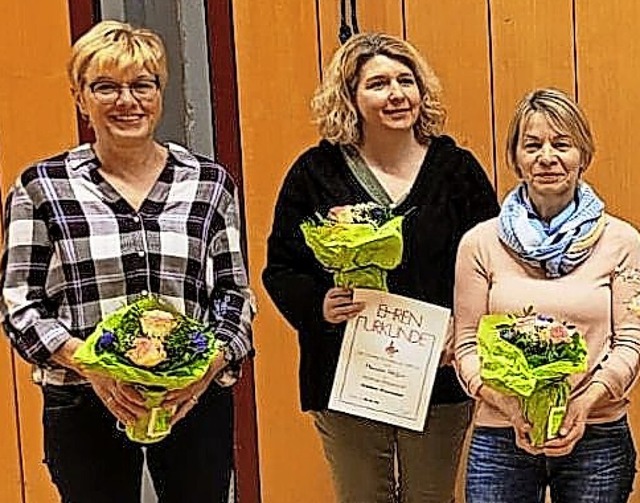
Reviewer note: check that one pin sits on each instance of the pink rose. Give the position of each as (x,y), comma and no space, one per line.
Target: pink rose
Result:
(558,333)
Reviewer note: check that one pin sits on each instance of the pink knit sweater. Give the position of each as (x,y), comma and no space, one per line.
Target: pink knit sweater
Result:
(601,297)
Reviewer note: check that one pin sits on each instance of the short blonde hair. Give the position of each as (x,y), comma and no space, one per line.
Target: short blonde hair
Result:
(562,112)
(333,105)
(112,44)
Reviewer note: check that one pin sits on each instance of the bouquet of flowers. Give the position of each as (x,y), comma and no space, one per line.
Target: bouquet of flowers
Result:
(149,344)
(358,243)
(531,356)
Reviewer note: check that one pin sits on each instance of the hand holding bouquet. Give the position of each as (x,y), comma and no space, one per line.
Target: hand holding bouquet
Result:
(358,243)
(149,344)
(531,356)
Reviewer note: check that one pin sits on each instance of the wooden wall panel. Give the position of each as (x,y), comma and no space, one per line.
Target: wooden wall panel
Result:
(608,75)
(457,48)
(11,475)
(532,47)
(381,15)
(277,61)
(36,120)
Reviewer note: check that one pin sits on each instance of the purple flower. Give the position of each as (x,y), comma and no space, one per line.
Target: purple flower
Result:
(199,343)
(379,215)
(106,340)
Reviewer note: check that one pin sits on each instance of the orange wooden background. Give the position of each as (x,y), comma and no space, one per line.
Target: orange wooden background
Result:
(487,53)
(36,119)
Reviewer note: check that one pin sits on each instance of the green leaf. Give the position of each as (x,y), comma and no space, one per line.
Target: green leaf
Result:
(358,254)
(540,381)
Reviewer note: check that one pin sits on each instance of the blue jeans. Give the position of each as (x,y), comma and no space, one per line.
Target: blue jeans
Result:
(600,469)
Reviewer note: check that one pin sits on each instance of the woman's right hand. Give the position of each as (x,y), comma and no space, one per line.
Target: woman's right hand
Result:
(123,400)
(338,305)
(510,407)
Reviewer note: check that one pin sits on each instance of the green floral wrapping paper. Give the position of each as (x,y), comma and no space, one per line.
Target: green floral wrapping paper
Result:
(531,356)
(358,244)
(149,344)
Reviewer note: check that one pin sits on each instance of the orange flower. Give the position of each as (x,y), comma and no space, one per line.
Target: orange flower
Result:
(146,352)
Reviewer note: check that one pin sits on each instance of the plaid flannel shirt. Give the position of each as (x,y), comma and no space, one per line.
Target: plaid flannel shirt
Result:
(75,250)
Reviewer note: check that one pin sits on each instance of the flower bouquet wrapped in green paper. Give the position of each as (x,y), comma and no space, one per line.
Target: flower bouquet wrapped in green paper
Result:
(151,345)
(531,356)
(358,243)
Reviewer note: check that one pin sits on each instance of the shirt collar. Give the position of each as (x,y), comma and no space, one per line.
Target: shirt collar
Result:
(182,155)
(83,156)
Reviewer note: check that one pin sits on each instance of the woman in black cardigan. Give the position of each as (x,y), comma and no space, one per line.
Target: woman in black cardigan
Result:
(379,112)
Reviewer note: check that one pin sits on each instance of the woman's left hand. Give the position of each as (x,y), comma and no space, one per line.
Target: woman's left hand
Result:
(186,398)
(574,423)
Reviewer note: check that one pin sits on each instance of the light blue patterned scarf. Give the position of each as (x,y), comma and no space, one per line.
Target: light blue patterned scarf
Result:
(560,245)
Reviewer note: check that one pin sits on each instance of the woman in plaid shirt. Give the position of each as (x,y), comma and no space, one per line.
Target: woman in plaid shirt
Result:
(99,225)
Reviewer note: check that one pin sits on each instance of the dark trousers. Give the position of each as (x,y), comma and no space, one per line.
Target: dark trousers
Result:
(92,462)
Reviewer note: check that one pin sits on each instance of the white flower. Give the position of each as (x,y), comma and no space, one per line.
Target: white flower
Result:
(157,324)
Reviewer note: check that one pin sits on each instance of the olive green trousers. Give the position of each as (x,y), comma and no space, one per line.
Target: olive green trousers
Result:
(372,462)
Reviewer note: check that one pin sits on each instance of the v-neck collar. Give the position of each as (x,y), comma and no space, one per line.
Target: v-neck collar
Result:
(83,161)
(153,199)
(370,183)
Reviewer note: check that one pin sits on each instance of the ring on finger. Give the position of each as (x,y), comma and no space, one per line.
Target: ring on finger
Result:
(193,399)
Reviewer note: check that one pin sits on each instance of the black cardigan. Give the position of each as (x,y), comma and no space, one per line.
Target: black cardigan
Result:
(450,195)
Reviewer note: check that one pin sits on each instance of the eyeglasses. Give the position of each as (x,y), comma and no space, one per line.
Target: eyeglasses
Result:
(107,92)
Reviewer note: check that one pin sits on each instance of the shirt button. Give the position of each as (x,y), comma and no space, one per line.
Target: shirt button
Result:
(136,219)
(144,292)
(140,253)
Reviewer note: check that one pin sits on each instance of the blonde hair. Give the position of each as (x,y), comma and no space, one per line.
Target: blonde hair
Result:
(333,105)
(562,112)
(112,44)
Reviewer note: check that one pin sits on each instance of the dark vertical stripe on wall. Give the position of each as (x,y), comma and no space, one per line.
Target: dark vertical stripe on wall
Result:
(16,397)
(226,127)
(82,15)
(319,40)
(16,401)
(493,96)
(224,91)
(403,6)
(574,27)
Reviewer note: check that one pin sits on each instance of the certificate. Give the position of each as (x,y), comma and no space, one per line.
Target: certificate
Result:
(389,357)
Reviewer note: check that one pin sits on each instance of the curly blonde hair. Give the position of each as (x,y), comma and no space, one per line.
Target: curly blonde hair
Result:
(333,105)
(112,44)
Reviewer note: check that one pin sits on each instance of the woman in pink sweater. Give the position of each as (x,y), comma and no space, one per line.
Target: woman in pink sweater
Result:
(555,248)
